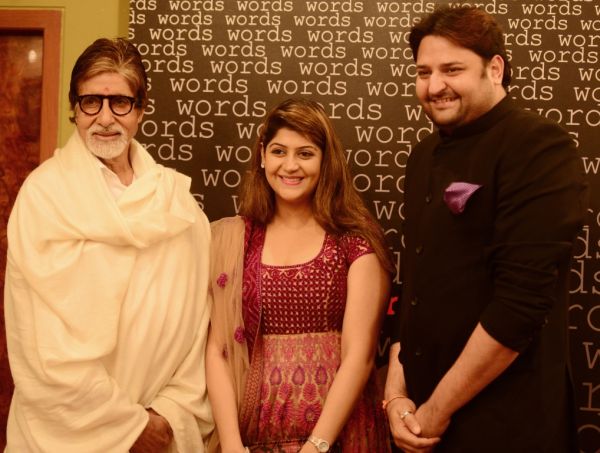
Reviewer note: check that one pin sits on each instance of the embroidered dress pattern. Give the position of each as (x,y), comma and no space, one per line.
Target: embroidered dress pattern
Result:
(293,317)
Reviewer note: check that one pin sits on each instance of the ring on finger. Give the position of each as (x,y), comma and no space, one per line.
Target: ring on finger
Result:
(404,414)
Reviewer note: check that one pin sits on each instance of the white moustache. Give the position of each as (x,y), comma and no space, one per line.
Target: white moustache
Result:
(106,130)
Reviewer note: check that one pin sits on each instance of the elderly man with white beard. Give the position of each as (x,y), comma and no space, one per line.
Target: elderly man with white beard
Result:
(106,284)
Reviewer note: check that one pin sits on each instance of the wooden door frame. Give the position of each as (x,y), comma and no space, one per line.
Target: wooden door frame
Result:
(49,22)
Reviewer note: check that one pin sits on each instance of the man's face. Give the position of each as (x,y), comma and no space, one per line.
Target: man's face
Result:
(454,85)
(105,134)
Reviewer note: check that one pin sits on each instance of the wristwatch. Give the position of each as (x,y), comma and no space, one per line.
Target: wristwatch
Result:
(320,444)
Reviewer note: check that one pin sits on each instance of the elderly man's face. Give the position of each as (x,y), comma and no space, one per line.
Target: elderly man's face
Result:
(106,134)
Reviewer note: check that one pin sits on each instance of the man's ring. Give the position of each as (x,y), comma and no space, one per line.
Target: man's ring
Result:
(404,414)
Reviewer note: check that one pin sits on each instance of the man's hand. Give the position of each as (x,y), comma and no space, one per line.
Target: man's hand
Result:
(431,421)
(405,427)
(156,436)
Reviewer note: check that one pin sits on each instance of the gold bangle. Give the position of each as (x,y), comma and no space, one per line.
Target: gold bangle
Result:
(385,403)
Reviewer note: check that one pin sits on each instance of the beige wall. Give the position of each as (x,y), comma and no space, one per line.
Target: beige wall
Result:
(82,22)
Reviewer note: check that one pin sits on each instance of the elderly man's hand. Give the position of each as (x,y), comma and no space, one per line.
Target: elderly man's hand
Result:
(156,437)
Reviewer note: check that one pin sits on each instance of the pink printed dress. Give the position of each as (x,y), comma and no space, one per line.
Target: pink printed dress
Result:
(293,320)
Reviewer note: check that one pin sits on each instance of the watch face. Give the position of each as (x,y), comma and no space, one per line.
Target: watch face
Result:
(320,444)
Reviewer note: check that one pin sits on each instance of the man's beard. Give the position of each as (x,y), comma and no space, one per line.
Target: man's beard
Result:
(106,149)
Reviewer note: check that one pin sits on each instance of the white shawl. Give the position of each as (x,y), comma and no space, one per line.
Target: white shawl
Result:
(106,307)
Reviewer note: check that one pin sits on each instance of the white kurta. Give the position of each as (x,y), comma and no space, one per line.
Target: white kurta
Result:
(106,307)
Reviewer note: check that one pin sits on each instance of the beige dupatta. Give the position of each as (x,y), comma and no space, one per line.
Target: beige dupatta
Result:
(226,278)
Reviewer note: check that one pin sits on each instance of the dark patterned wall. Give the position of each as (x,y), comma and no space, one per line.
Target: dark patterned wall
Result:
(216,67)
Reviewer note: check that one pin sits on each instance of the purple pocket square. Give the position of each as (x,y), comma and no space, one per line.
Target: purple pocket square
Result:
(457,194)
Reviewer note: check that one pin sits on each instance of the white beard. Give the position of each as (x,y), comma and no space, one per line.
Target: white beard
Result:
(107,149)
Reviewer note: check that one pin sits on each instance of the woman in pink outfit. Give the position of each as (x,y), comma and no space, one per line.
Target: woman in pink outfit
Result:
(299,283)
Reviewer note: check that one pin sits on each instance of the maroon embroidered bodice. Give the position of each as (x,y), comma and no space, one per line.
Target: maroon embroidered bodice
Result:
(301,298)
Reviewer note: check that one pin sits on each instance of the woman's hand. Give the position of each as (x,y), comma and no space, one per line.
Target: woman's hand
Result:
(307,448)
(240,449)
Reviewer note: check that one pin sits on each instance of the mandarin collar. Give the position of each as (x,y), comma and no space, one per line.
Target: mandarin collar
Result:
(483,123)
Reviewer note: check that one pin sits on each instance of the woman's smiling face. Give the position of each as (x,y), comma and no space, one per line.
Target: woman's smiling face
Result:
(292,167)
